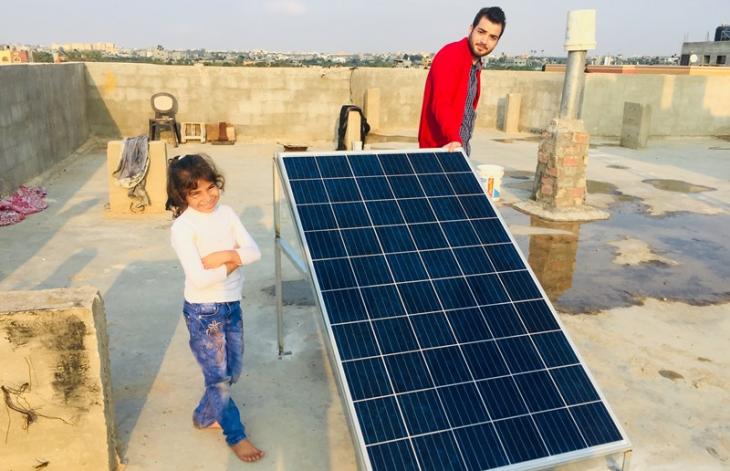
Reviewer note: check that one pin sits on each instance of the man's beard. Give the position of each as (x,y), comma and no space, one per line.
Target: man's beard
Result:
(474,51)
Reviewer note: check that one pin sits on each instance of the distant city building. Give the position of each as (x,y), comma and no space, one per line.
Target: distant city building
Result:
(518,62)
(714,52)
(109,48)
(13,56)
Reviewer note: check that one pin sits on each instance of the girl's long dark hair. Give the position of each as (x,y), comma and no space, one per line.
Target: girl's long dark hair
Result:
(183,173)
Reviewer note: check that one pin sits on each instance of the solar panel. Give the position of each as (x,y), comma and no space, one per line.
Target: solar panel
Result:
(448,353)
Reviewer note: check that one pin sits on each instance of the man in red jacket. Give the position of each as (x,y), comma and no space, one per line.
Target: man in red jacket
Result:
(453,84)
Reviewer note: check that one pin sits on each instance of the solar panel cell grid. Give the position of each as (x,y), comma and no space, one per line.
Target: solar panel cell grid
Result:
(451,356)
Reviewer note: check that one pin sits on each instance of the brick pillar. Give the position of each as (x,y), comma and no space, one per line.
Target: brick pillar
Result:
(560,177)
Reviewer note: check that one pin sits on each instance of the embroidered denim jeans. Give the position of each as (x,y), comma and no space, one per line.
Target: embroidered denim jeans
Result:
(216,339)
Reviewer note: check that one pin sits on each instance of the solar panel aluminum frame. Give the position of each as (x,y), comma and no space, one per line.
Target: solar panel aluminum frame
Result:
(611,449)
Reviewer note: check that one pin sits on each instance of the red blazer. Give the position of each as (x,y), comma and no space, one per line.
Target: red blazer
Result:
(444,97)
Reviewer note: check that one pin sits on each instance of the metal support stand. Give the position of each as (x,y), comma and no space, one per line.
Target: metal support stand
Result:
(627,461)
(280,245)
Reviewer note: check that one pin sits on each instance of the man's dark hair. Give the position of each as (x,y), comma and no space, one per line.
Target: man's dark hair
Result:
(493,14)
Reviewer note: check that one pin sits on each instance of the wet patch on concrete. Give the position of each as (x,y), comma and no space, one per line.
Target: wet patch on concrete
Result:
(519,179)
(624,198)
(526,185)
(578,271)
(524,180)
(295,293)
(669,374)
(677,186)
(635,252)
(519,174)
(595,186)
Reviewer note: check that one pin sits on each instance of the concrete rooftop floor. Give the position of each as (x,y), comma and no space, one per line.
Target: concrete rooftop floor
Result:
(654,278)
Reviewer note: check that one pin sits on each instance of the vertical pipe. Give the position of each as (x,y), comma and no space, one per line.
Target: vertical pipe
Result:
(573,85)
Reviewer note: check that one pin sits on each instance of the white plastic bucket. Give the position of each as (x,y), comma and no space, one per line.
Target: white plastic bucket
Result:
(491,176)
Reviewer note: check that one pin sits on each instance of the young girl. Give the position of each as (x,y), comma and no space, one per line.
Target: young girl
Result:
(212,245)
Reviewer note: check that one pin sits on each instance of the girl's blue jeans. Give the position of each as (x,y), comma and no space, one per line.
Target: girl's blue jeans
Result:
(216,339)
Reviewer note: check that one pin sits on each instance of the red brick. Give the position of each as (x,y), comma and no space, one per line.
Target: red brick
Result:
(578,171)
(581,137)
(567,150)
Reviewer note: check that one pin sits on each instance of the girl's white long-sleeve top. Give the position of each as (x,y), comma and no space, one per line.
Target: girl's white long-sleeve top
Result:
(196,234)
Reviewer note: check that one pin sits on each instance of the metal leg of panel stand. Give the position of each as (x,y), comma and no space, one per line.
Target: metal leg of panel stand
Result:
(277,262)
(627,461)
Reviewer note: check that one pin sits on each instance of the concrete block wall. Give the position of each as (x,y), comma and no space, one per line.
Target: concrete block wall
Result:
(402,95)
(540,98)
(42,118)
(265,104)
(49,110)
(681,105)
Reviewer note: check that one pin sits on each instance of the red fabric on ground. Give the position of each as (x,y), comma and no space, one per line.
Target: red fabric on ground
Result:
(26,200)
(8,217)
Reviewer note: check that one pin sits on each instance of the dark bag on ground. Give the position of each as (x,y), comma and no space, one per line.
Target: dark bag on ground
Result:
(342,128)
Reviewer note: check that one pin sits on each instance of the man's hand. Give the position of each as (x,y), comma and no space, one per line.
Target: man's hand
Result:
(452,146)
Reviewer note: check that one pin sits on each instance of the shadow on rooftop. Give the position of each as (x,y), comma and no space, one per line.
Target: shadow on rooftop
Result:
(144,307)
(25,239)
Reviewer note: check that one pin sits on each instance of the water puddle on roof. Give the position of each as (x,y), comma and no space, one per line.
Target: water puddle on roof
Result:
(519,174)
(595,186)
(678,186)
(576,267)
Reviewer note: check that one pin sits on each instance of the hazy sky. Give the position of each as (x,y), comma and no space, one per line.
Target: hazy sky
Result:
(628,27)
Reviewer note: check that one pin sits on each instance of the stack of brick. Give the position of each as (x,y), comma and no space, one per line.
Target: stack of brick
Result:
(560,178)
